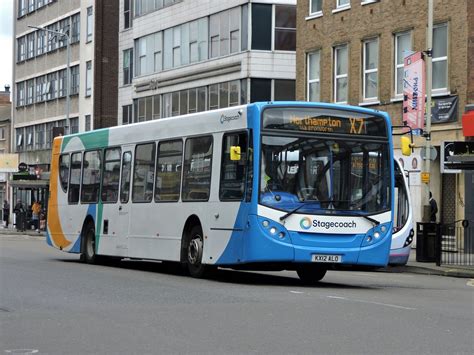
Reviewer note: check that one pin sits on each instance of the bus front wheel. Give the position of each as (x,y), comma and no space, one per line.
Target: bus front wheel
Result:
(310,274)
(194,253)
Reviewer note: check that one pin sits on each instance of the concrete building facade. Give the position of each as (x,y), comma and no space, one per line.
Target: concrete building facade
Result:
(5,128)
(351,52)
(178,57)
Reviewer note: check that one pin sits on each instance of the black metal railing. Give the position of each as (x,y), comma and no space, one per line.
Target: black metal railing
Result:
(455,244)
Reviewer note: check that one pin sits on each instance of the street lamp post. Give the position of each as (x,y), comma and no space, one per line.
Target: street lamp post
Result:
(68,64)
(429,85)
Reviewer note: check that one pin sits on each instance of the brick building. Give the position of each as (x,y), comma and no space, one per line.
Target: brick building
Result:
(351,52)
(5,128)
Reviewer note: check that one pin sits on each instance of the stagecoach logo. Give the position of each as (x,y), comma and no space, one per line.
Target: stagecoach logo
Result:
(305,223)
(225,118)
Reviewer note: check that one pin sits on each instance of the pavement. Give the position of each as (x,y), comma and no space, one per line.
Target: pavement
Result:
(412,266)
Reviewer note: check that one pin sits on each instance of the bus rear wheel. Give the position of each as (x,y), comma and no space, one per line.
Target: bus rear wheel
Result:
(88,245)
(194,253)
(311,274)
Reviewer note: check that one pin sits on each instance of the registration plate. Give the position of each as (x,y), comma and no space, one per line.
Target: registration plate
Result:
(324,258)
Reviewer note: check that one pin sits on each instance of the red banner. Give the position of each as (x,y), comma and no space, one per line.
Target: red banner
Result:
(414,91)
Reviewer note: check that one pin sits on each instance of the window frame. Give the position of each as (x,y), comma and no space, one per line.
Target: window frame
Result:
(88,91)
(69,199)
(443,90)
(397,65)
(119,160)
(97,195)
(89,24)
(336,76)
(366,72)
(133,186)
(180,181)
(308,73)
(122,181)
(318,12)
(61,182)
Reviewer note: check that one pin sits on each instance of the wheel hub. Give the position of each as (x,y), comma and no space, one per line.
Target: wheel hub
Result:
(194,250)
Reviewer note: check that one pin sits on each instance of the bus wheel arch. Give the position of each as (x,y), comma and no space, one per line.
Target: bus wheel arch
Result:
(192,247)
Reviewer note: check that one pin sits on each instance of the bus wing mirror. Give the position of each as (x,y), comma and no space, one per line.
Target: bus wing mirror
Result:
(235,153)
(406,145)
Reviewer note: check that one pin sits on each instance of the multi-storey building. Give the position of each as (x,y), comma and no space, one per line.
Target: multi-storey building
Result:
(352,51)
(5,127)
(182,56)
(40,72)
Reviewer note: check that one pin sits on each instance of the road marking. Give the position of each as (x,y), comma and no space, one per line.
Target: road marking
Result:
(372,302)
(297,292)
(470,283)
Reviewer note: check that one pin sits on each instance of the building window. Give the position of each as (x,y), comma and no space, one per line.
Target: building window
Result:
(51,85)
(284,90)
(402,49)
(62,83)
(90,22)
(285,28)
(40,136)
(126,114)
(157,52)
(31,45)
(21,8)
(88,123)
(40,88)
(313,90)
(20,94)
(75,28)
(2,133)
(88,78)
(440,58)
(343,3)
(31,6)
(341,76)
(315,7)
(74,80)
(370,69)
(260,90)
(21,44)
(261,26)
(30,89)
(74,122)
(41,39)
(127,14)
(20,144)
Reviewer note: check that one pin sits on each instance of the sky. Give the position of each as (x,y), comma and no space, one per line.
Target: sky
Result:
(6,33)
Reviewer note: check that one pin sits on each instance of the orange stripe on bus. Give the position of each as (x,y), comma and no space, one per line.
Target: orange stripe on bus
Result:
(54,222)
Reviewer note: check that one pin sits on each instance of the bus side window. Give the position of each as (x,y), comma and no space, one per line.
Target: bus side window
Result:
(91,176)
(143,172)
(197,169)
(168,170)
(111,175)
(64,161)
(126,172)
(75,178)
(233,172)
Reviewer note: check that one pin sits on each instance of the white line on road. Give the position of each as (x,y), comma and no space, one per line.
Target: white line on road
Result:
(297,292)
(470,283)
(372,302)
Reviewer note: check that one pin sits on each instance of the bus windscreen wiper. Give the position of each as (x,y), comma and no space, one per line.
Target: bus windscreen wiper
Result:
(286,215)
(373,220)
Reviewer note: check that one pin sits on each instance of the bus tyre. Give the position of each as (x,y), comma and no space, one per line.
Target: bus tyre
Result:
(194,253)
(88,245)
(310,274)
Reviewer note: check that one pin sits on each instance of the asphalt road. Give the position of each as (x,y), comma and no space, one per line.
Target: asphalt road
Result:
(50,303)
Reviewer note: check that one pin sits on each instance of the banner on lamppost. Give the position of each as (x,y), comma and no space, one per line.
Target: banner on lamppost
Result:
(414,91)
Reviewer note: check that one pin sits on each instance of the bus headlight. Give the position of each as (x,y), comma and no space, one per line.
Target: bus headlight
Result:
(376,235)
(265,223)
(273,230)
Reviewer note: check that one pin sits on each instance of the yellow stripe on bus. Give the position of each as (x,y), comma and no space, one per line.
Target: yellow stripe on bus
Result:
(54,222)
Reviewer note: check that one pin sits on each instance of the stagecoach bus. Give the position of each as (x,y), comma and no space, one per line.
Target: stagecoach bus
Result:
(266,186)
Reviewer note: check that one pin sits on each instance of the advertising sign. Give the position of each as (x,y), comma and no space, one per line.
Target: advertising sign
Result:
(414,91)
(444,109)
(8,163)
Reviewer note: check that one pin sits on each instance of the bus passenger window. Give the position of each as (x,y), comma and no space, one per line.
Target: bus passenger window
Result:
(91,172)
(64,171)
(197,169)
(126,172)
(168,171)
(233,173)
(111,175)
(75,178)
(143,173)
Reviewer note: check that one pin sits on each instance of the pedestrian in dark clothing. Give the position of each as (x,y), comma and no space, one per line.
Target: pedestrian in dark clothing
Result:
(433,208)
(6,212)
(20,214)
